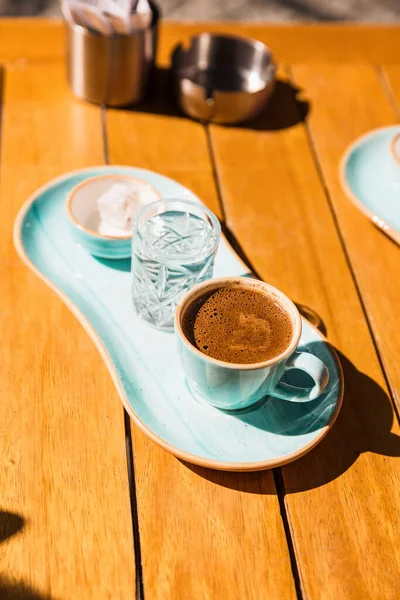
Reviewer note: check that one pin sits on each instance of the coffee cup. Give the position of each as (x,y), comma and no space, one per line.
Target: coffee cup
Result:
(232,385)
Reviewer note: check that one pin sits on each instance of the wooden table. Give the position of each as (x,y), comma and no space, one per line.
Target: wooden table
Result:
(90,508)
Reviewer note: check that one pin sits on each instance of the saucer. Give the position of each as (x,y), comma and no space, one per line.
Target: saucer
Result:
(143,361)
(370,177)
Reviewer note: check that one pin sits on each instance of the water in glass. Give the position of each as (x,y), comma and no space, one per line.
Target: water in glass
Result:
(172,251)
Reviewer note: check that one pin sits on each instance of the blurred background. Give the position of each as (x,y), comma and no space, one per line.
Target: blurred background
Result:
(383,11)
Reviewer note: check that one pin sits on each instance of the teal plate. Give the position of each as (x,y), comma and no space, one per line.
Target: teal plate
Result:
(371,179)
(143,361)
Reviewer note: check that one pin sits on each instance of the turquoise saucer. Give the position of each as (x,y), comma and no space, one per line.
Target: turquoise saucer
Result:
(143,361)
(371,179)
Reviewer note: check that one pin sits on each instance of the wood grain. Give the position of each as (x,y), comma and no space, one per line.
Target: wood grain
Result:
(62,439)
(203,534)
(44,40)
(344,524)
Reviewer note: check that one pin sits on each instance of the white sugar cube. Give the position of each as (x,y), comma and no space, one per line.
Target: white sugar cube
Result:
(118,205)
(106,229)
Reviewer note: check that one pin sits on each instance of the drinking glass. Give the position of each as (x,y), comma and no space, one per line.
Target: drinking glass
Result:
(174,243)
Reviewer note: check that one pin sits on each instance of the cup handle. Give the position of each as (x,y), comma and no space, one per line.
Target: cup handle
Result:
(314,367)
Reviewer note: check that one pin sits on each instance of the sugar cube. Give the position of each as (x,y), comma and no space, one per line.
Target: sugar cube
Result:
(118,205)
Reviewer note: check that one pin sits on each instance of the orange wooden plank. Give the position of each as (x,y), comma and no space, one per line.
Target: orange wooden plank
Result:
(62,437)
(343,498)
(44,39)
(335,123)
(203,534)
(318,42)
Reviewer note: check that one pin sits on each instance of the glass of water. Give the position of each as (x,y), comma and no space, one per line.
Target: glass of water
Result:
(174,243)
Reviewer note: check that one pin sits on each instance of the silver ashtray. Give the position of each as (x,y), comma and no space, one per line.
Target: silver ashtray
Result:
(221,78)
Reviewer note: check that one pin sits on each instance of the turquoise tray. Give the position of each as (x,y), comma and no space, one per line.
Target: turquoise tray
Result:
(371,179)
(143,361)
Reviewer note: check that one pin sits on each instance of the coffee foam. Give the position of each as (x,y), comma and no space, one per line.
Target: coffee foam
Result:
(238,325)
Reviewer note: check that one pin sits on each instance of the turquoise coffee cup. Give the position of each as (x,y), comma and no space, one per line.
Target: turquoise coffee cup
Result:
(230,386)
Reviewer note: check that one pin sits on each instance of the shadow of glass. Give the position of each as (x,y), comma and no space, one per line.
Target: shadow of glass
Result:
(121,264)
(364,425)
(10,524)
(284,109)
(237,248)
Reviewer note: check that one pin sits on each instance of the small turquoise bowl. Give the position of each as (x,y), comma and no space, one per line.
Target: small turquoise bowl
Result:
(84,216)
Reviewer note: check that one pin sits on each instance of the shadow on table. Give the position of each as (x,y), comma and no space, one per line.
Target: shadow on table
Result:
(363,425)
(284,109)
(17,590)
(11,524)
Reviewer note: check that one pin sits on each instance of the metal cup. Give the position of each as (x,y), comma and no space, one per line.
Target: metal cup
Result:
(114,70)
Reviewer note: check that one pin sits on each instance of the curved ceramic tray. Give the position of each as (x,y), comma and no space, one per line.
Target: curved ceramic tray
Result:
(371,179)
(143,361)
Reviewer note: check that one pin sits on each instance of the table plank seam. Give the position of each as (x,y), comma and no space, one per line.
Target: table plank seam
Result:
(130,459)
(290,539)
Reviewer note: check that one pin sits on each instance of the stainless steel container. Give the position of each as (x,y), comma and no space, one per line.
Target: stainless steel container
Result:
(113,70)
(221,78)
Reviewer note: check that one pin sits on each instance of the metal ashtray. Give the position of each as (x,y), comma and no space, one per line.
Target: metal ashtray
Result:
(224,79)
